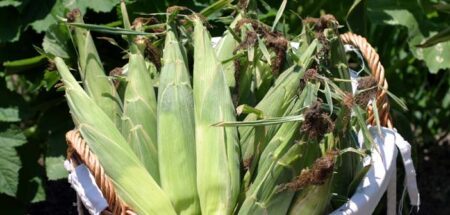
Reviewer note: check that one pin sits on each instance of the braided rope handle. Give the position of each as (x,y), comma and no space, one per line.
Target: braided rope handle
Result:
(77,151)
(373,60)
(79,148)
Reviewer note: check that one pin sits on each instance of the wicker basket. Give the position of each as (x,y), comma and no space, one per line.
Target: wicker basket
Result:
(79,152)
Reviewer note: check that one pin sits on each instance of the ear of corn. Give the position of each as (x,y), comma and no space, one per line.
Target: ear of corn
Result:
(278,162)
(131,181)
(312,200)
(139,115)
(176,129)
(218,179)
(338,59)
(95,82)
(275,102)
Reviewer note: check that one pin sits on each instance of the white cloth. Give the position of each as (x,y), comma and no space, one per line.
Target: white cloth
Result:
(84,184)
(383,161)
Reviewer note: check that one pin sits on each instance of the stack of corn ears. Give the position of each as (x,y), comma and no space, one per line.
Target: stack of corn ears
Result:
(251,126)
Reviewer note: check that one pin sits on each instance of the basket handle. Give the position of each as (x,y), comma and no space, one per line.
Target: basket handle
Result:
(373,60)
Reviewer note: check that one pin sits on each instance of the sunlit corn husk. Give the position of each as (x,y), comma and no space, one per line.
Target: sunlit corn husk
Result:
(97,85)
(275,102)
(176,128)
(139,114)
(278,162)
(312,200)
(132,182)
(225,51)
(218,179)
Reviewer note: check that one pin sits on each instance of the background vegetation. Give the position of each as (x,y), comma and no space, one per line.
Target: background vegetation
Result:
(34,116)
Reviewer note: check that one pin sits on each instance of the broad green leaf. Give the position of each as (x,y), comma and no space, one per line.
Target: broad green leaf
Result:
(50,79)
(40,194)
(10,114)
(54,168)
(57,41)
(54,123)
(410,15)
(13,3)
(97,6)
(440,37)
(54,9)
(10,25)
(10,163)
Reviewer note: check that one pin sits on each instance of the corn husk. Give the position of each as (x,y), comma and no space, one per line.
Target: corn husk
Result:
(132,182)
(218,179)
(225,51)
(278,164)
(176,129)
(139,115)
(275,102)
(97,85)
(312,200)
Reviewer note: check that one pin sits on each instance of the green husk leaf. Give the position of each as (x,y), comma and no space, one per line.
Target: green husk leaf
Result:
(139,113)
(280,161)
(328,96)
(276,100)
(95,82)
(376,115)
(312,200)
(280,12)
(176,129)
(218,179)
(224,51)
(357,179)
(262,122)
